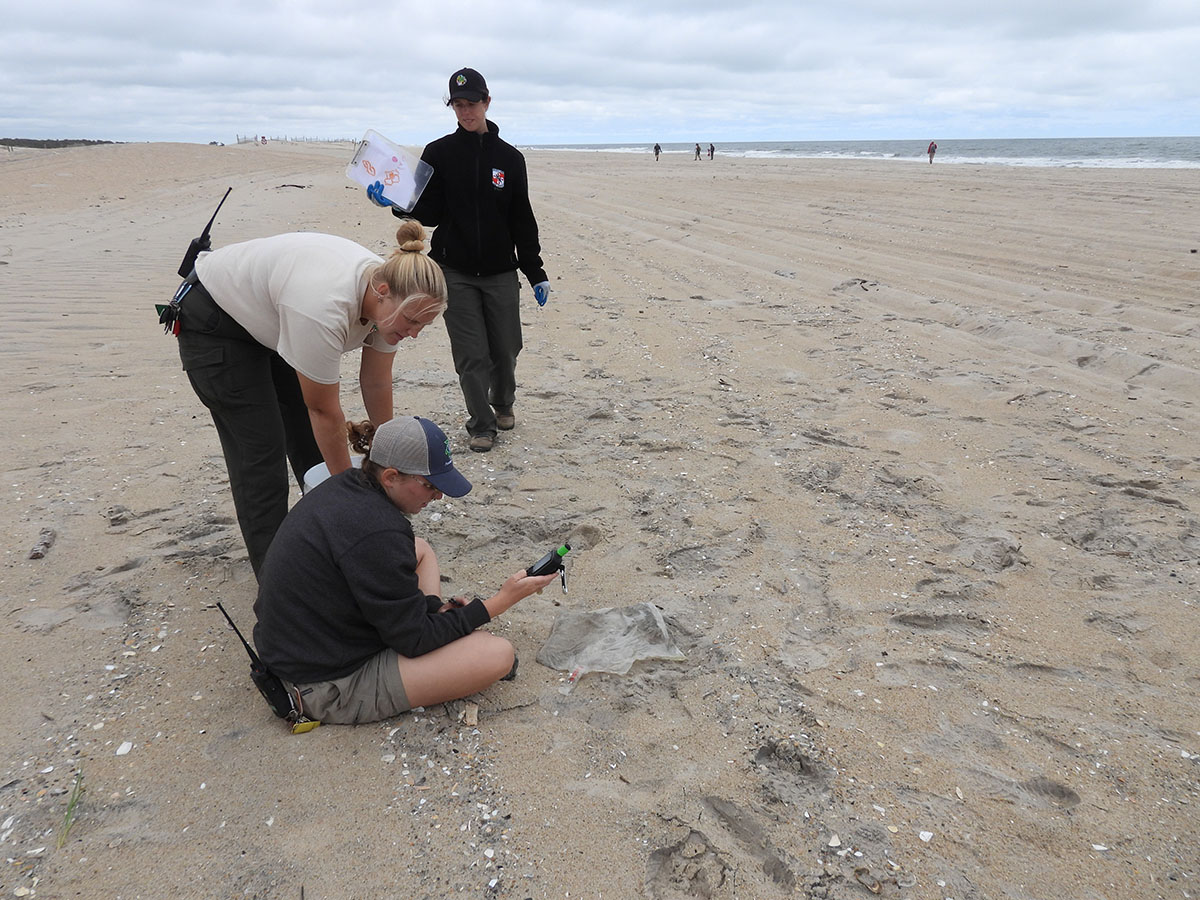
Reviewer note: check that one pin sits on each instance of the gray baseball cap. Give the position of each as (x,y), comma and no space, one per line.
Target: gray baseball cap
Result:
(416,446)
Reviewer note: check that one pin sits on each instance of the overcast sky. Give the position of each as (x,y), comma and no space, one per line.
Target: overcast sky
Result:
(601,71)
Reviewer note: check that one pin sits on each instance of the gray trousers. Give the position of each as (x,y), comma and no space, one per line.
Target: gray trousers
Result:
(255,401)
(483,320)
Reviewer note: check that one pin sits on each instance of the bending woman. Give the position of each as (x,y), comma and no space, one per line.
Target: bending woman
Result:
(262,333)
(350,611)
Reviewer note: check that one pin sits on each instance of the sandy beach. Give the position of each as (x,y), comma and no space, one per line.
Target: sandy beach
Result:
(905,454)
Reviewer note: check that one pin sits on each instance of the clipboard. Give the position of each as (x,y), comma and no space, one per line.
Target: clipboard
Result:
(402,174)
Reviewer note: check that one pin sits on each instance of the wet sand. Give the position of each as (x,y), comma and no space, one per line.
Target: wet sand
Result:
(906,454)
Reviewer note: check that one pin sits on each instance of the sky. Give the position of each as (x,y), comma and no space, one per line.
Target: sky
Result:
(600,71)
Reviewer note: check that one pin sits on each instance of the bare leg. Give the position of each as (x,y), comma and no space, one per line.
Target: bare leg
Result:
(429,576)
(459,669)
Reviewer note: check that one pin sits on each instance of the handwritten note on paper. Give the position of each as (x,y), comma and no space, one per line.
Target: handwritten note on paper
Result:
(402,174)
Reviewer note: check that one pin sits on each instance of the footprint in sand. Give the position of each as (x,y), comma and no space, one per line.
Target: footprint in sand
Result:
(692,868)
(790,774)
(743,826)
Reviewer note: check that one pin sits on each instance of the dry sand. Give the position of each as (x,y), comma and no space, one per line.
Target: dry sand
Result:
(905,453)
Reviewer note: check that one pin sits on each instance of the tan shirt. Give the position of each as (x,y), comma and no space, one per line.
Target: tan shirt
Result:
(299,294)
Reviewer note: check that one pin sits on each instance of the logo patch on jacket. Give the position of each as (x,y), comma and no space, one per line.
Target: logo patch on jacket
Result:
(498,178)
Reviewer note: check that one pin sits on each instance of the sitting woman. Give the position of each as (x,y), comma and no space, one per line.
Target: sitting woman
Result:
(350,612)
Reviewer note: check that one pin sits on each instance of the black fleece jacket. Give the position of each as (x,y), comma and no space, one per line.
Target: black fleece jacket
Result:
(478,203)
(339,585)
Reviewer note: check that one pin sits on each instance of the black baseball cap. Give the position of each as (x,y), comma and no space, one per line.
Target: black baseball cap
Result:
(467,84)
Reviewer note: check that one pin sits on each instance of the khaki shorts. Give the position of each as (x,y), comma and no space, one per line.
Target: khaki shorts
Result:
(374,692)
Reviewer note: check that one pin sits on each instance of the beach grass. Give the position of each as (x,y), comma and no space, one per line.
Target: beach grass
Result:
(64,828)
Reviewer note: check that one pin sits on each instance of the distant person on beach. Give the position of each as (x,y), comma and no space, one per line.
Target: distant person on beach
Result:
(711,151)
(478,201)
(350,609)
(263,326)
(697,151)
(657,150)
(932,150)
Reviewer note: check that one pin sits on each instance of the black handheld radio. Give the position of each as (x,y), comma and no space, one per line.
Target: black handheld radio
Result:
(199,245)
(278,697)
(552,562)
(168,313)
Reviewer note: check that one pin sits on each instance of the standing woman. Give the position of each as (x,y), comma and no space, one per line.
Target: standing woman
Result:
(262,332)
(477,200)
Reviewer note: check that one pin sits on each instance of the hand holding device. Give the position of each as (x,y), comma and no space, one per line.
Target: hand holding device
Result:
(552,562)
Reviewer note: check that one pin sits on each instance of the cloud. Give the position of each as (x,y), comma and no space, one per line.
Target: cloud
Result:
(600,71)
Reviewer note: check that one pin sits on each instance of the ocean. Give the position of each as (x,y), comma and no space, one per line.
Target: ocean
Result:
(1112,153)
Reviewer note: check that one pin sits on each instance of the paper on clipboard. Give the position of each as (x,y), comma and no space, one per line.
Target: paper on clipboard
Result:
(402,174)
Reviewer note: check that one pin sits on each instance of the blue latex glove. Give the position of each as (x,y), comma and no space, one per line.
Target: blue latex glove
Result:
(541,292)
(375,192)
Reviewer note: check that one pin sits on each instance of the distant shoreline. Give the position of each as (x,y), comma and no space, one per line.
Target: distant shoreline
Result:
(44,144)
(1119,153)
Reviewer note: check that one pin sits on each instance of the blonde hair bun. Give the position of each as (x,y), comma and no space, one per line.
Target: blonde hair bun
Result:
(410,231)
(415,279)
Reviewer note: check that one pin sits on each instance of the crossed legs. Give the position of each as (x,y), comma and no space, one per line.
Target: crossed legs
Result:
(461,668)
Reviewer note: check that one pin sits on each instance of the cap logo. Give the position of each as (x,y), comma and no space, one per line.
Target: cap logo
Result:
(447,449)
(460,80)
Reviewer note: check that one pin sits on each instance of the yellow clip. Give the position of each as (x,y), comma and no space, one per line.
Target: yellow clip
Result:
(304,727)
